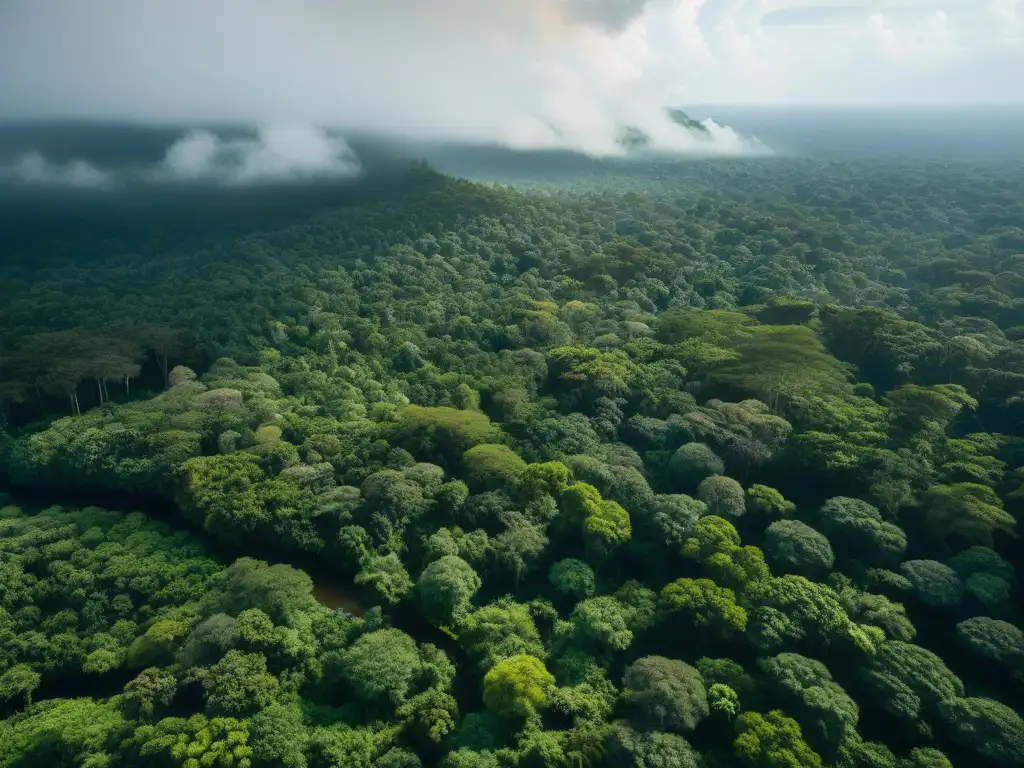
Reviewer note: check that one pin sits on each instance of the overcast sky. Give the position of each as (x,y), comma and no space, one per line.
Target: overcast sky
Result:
(519,71)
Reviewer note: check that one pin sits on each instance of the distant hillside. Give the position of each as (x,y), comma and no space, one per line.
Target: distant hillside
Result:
(634,138)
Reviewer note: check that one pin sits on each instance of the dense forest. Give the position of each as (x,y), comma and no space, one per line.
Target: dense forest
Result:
(657,464)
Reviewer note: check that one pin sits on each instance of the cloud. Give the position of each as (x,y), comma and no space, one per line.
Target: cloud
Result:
(276,153)
(273,154)
(34,169)
(537,73)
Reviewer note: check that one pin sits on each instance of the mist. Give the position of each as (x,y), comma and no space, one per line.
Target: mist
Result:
(525,74)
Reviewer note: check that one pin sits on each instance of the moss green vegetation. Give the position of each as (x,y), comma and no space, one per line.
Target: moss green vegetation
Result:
(691,464)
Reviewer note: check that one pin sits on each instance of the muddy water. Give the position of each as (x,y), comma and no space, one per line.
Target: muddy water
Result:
(337,595)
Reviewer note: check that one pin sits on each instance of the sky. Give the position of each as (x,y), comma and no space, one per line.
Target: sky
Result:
(523,73)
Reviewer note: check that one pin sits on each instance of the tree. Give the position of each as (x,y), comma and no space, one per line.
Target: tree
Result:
(499,630)
(518,686)
(446,433)
(765,501)
(151,688)
(926,757)
(430,716)
(790,609)
(969,510)
(223,493)
(572,578)
(19,681)
(238,684)
(795,547)
(588,373)
(158,644)
(492,467)
(518,548)
(445,589)
(878,611)
(63,733)
(693,463)
(987,578)
(278,736)
(651,749)
(550,477)
(772,740)
(805,686)
(857,528)
(993,639)
(381,666)
(671,520)
(664,694)
(779,362)
(910,681)
(934,583)
(210,640)
(990,728)
(723,496)
(715,543)
(607,526)
(386,577)
(747,433)
(277,590)
(341,744)
(601,623)
(705,605)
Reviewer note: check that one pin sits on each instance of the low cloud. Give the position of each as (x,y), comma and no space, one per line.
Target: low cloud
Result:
(280,154)
(273,154)
(34,169)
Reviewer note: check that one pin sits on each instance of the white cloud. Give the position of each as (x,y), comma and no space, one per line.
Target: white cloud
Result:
(277,153)
(34,169)
(521,72)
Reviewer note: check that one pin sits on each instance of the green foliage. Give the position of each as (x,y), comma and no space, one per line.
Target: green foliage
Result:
(152,688)
(238,684)
(827,715)
(277,590)
(993,730)
(664,694)
(994,639)
(934,583)
(489,467)
(601,623)
(492,401)
(64,733)
(723,496)
(386,577)
(445,433)
(910,681)
(382,666)
(705,605)
(499,630)
(445,589)
(278,736)
(649,749)
(857,528)
(693,463)
(765,500)
(572,578)
(723,700)
(518,686)
(790,609)
(772,740)
(794,547)
(967,509)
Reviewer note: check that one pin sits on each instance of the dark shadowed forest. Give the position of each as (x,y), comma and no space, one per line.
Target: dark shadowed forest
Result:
(666,463)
